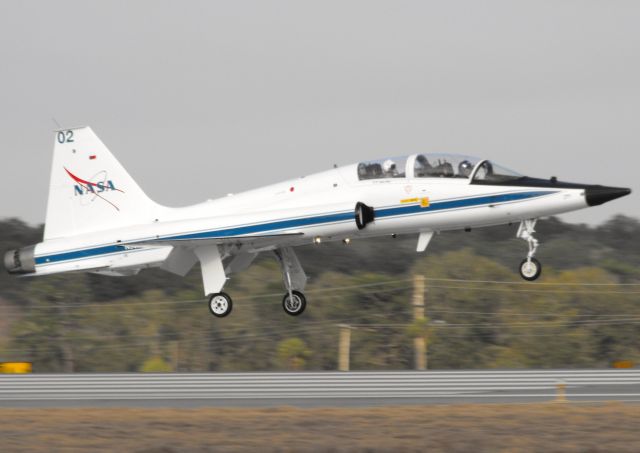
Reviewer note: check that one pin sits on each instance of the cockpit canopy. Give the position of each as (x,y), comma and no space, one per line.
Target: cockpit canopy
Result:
(435,166)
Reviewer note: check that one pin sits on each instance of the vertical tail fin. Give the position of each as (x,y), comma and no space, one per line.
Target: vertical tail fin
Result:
(89,190)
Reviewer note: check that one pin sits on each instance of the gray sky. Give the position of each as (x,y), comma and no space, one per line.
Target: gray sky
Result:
(198,99)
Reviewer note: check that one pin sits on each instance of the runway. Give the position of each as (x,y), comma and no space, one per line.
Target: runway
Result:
(315,389)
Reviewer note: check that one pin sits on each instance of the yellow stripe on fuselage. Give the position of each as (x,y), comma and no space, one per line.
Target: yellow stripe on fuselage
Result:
(424,201)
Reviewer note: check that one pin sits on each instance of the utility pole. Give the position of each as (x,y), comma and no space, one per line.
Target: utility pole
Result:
(344,347)
(419,342)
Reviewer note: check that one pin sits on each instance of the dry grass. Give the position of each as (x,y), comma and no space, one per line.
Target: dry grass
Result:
(459,428)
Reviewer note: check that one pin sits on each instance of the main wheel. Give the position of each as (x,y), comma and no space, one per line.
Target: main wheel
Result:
(531,269)
(294,305)
(220,304)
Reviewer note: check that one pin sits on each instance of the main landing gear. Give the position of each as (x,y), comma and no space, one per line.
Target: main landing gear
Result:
(294,303)
(220,304)
(530,268)
(293,276)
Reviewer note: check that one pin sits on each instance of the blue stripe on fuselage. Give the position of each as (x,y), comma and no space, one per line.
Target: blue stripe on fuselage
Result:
(266,227)
(79,254)
(460,203)
(304,222)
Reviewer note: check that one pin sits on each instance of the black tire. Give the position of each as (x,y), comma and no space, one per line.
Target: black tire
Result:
(295,309)
(530,271)
(220,305)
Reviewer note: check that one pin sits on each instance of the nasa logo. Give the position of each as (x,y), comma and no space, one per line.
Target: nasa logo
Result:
(98,187)
(84,187)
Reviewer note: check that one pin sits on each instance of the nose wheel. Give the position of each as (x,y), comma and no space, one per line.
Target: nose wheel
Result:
(294,303)
(530,268)
(220,304)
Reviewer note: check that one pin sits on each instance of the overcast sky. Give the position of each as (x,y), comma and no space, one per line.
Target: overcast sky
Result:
(198,99)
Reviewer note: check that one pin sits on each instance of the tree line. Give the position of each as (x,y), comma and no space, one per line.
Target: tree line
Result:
(583,312)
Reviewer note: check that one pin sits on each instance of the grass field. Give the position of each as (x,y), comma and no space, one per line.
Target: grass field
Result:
(459,428)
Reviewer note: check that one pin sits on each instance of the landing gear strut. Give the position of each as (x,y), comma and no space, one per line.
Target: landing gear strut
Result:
(220,304)
(530,268)
(293,276)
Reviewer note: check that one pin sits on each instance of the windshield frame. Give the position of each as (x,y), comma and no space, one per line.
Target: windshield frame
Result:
(505,176)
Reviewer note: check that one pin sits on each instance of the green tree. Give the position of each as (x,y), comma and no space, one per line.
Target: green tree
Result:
(293,354)
(156,365)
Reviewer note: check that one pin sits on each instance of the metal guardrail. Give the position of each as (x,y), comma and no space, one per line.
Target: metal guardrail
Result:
(463,385)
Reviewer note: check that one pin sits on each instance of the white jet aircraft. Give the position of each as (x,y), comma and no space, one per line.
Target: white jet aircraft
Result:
(99,220)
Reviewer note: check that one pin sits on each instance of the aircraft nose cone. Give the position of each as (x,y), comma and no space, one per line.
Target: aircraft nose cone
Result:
(596,195)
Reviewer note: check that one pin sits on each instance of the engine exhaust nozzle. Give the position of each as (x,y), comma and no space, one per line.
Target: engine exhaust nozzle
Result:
(20,261)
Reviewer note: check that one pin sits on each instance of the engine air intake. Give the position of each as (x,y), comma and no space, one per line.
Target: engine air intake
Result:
(364,215)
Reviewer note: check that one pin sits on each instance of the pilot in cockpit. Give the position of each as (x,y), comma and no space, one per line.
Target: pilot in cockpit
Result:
(464,168)
(389,168)
(422,166)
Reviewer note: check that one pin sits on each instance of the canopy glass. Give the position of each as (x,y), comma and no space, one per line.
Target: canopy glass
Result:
(435,166)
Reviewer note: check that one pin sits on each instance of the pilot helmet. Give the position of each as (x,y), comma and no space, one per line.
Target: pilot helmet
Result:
(464,168)
(388,166)
(422,160)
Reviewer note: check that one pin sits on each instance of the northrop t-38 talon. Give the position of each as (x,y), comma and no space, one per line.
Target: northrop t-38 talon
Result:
(99,220)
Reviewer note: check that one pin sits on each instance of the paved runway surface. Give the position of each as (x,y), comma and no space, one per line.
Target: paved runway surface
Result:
(314,389)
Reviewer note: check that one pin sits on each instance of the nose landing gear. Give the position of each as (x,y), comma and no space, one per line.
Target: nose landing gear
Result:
(530,268)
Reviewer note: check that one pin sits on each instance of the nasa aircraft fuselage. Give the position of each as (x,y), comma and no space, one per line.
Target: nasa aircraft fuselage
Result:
(99,220)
